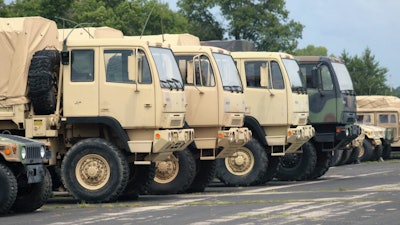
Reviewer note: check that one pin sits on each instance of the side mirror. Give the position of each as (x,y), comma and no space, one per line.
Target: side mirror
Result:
(264,75)
(315,78)
(190,72)
(132,72)
(65,57)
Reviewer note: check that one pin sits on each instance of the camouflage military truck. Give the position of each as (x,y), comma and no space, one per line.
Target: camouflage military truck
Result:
(104,105)
(332,107)
(277,112)
(215,110)
(25,183)
(381,111)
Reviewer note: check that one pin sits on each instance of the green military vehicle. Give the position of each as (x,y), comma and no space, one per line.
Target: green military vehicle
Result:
(215,110)
(332,102)
(105,105)
(25,183)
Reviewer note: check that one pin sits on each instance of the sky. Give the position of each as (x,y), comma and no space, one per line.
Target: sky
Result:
(351,25)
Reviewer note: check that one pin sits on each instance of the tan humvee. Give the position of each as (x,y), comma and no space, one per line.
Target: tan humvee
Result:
(104,108)
(216,109)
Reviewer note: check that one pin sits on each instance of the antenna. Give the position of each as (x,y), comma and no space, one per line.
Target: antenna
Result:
(76,25)
(147,20)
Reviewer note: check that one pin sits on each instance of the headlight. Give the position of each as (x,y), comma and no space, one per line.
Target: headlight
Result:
(42,152)
(347,132)
(231,137)
(23,153)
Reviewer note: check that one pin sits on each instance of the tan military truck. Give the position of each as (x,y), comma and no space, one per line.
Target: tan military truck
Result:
(381,111)
(215,110)
(104,105)
(25,183)
(277,112)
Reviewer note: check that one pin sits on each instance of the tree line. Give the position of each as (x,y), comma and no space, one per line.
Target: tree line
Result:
(265,23)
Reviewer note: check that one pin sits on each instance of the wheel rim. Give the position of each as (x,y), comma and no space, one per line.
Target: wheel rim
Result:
(241,162)
(166,171)
(92,172)
(291,160)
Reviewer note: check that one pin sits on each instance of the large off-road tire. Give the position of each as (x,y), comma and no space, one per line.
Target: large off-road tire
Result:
(55,173)
(354,156)
(206,172)
(365,151)
(273,168)
(344,157)
(387,150)
(324,161)
(8,188)
(336,156)
(43,81)
(32,196)
(139,182)
(297,166)
(94,170)
(376,153)
(246,167)
(175,175)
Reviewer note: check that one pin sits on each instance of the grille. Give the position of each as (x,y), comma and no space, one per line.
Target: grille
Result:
(33,152)
(175,123)
(236,122)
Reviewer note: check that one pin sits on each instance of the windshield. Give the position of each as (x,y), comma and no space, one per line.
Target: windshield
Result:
(343,76)
(229,74)
(167,68)
(293,71)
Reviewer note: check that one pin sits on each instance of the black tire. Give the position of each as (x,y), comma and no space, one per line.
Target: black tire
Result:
(273,168)
(174,177)
(140,178)
(365,151)
(387,150)
(43,81)
(8,189)
(32,196)
(345,157)
(336,156)
(247,167)
(297,166)
(354,156)
(324,161)
(206,172)
(376,153)
(94,170)
(55,173)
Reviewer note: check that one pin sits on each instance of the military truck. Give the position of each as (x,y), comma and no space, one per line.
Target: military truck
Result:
(332,104)
(215,110)
(277,112)
(25,183)
(105,105)
(381,111)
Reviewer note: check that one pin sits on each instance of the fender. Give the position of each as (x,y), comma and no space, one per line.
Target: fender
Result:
(109,121)
(257,130)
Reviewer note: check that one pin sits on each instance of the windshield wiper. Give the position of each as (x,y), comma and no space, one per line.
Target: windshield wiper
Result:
(166,83)
(180,84)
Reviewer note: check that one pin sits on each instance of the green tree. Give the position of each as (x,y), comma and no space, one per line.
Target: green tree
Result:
(128,16)
(368,77)
(265,23)
(311,50)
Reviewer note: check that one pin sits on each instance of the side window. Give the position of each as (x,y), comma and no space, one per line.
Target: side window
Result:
(143,68)
(203,72)
(393,119)
(82,65)
(116,62)
(383,118)
(326,77)
(252,72)
(277,78)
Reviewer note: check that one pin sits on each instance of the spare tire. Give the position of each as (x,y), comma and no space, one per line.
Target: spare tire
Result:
(43,81)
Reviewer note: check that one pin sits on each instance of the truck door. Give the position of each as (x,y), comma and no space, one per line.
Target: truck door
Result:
(129,98)
(81,84)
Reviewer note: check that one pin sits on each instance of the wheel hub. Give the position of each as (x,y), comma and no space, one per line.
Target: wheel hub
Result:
(166,171)
(92,171)
(241,162)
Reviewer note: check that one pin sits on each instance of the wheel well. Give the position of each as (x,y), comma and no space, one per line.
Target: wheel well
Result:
(115,134)
(256,129)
